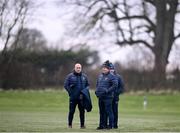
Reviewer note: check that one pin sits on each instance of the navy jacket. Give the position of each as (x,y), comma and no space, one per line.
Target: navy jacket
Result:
(86,99)
(74,83)
(106,84)
(120,88)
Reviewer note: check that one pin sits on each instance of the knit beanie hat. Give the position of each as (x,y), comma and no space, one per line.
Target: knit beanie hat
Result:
(106,64)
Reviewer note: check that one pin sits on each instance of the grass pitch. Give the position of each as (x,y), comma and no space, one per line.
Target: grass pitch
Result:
(46,111)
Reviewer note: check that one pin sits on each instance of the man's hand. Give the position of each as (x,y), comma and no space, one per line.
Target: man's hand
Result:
(72,86)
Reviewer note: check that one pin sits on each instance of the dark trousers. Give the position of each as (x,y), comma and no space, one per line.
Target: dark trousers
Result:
(115,112)
(72,107)
(105,110)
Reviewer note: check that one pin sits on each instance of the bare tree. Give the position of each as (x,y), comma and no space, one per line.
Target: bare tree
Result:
(13,15)
(152,23)
(30,40)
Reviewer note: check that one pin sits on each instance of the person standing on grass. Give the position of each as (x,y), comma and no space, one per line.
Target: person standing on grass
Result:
(75,82)
(119,90)
(106,84)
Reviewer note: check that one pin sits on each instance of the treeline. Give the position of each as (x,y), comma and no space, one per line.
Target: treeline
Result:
(26,69)
(148,80)
(30,69)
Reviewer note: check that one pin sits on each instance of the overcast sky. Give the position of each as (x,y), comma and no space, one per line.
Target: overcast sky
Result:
(50,21)
(47,19)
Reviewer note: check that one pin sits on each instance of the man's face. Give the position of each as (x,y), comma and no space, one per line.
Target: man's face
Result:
(105,70)
(78,68)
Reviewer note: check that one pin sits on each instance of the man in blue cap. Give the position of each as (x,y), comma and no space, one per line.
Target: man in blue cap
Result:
(106,84)
(119,90)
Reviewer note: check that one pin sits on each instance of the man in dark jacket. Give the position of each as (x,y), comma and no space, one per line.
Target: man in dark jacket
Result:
(75,82)
(119,90)
(105,87)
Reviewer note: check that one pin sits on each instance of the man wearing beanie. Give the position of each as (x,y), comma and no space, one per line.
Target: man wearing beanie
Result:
(119,90)
(106,84)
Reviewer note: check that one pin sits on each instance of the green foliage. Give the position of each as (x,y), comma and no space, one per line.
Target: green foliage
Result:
(46,111)
(32,69)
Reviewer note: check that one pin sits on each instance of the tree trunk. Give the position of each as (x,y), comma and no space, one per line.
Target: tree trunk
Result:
(164,37)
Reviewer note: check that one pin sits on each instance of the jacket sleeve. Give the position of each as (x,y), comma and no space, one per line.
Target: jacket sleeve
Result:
(114,84)
(97,83)
(87,83)
(67,84)
(120,85)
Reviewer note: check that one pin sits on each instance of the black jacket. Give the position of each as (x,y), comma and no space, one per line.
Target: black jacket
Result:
(120,88)
(86,99)
(74,83)
(106,84)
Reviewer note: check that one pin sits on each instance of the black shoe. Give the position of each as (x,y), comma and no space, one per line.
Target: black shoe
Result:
(69,126)
(109,127)
(99,128)
(83,127)
(115,127)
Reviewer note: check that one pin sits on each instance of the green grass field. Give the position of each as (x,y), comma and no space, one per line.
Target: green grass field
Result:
(46,111)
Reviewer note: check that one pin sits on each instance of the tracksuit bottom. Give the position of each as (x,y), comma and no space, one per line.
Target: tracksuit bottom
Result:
(72,107)
(105,110)
(115,112)
(115,102)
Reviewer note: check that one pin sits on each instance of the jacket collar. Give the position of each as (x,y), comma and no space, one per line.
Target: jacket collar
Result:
(106,73)
(77,74)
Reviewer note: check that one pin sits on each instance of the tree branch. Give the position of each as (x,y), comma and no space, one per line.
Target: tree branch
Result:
(139,17)
(177,36)
(131,42)
(11,28)
(2,9)
(150,1)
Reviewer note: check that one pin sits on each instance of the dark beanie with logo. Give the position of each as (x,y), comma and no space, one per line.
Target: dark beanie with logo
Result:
(107,64)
